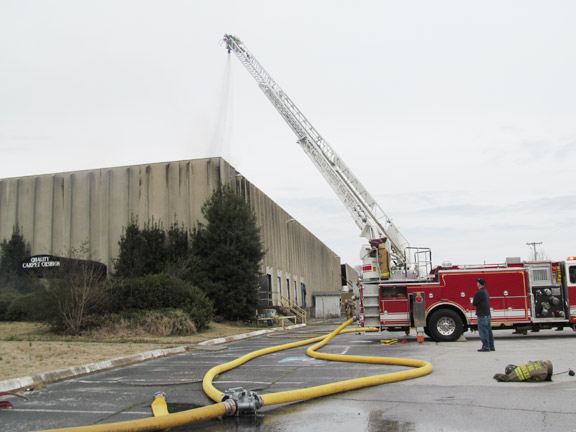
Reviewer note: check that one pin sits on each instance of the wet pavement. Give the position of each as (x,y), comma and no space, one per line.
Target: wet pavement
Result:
(460,395)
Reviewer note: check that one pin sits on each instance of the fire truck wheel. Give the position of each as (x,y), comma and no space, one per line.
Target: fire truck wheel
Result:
(445,325)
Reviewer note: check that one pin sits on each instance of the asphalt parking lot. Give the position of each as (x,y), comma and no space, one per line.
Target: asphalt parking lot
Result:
(459,395)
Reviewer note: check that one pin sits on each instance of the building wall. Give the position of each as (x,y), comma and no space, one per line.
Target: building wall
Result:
(60,212)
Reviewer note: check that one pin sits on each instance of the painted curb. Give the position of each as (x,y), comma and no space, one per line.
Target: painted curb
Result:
(43,379)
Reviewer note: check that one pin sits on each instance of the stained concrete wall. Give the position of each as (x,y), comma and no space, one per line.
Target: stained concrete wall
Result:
(60,212)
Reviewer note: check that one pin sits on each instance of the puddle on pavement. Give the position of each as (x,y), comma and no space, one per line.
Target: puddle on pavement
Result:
(249,423)
(303,417)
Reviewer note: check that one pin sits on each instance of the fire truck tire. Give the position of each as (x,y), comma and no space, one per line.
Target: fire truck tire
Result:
(445,325)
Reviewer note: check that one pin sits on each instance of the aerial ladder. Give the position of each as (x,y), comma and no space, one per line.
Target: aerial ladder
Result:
(367,214)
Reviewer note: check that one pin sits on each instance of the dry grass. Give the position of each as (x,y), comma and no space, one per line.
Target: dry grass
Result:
(30,348)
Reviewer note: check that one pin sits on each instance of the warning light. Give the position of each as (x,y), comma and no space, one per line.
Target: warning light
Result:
(418,298)
(572,258)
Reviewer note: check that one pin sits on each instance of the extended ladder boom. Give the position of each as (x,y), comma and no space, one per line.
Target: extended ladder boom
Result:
(367,214)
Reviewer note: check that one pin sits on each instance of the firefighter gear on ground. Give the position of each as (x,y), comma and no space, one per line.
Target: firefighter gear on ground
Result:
(539,370)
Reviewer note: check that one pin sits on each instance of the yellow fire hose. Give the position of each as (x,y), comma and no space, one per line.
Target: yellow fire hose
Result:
(163,420)
(156,423)
(423,368)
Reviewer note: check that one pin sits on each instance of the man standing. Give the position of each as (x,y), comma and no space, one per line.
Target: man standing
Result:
(482,303)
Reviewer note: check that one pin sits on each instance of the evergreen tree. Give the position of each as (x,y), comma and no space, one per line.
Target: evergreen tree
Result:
(155,256)
(130,262)
(179,260)
(12,253)
(142,251)
(228,251)
(177,243)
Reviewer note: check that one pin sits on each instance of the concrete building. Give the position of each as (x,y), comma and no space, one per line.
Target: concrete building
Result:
(59,212)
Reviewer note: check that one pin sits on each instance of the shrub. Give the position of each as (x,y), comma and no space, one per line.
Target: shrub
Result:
(35,306)
(162,323)
(162,291)
(6,298)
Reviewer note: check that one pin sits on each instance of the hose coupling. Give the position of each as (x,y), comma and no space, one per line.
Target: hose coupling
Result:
(246,402)
(160,394)
(230,407)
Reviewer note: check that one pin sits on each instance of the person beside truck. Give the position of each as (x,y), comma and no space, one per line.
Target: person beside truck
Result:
(482,303)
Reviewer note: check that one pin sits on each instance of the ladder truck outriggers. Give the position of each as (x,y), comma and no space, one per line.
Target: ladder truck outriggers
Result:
(400,289)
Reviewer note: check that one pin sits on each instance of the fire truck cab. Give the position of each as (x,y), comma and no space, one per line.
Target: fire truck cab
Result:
(523,296)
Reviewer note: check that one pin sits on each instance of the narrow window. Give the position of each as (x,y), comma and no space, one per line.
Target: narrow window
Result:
(572,274)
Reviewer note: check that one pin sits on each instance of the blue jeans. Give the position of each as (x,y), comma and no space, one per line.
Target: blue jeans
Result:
(485,332)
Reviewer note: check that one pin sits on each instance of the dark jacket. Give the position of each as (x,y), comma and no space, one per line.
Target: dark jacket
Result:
(482,302)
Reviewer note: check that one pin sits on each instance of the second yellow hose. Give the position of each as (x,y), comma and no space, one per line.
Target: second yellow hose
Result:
(166,421)
(422,368)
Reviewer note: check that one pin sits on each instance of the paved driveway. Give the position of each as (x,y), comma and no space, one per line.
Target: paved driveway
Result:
(460,395)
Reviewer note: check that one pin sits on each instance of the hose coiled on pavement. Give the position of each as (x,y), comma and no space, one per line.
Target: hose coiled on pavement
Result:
(226,406)
(422,368)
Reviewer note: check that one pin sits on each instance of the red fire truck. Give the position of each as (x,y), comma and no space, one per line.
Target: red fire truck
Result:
(400,289)
(523,296)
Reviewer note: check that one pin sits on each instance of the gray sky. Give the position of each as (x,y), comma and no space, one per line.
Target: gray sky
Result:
(458,116)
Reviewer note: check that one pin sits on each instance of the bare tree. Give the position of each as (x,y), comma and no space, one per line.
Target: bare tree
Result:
(77,289)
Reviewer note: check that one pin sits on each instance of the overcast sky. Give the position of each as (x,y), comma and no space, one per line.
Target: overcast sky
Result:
(458,116)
